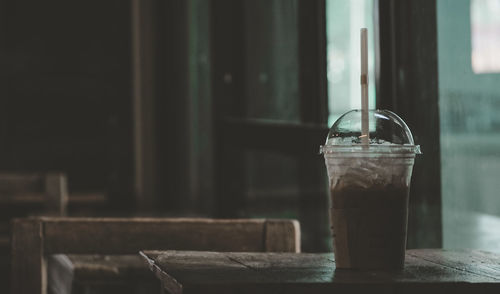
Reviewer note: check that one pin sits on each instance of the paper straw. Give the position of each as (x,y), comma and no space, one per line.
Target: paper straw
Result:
(365,134)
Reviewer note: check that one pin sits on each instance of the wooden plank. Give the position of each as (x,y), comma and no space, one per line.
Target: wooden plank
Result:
(282,236)
(23,199)
(172,268)
(189,272)
(474,262)
(99,274)
(286,268)
(168,283)
(35,190)
(300,288)
(320,268)
(108,269)
(28,272)
(122,236)
(56,192)
(128,236)
(88,204)
(87,199)
(20,183)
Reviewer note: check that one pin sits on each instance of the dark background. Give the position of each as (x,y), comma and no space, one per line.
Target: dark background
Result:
(210,108)
(66,92)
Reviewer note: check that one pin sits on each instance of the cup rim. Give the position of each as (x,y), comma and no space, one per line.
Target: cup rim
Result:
(370,149)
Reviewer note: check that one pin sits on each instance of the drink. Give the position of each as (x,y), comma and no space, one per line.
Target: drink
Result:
(369,189)
(369,225)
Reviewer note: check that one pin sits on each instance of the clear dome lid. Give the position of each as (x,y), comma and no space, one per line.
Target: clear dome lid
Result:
(387,133)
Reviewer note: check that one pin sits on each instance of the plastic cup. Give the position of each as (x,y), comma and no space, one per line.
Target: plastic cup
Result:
(369,189)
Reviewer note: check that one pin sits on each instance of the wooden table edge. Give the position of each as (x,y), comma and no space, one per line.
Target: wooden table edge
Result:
(168,282)
(175,286)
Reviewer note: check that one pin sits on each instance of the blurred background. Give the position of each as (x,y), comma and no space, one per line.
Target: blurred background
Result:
(217,108)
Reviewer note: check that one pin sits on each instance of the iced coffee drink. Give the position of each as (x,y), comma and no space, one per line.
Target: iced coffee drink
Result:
(369,225)
(369,190)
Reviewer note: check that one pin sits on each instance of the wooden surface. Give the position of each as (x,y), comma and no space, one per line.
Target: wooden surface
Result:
(20,183)
(62,235)
(282,236)
(28,259)
(48,190)
(129,235)
(426,270)
(100,269)
(56,191)
(23,194)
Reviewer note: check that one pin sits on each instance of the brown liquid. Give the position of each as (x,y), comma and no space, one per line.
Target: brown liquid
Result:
(369,226)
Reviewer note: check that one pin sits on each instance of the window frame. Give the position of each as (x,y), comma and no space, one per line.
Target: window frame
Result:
(235,134)
(407,83)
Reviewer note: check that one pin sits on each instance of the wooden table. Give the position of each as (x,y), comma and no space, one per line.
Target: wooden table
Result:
(426,271)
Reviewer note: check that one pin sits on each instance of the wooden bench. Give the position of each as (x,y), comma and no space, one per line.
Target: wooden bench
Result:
(35,239)
(35,193)
(27,194)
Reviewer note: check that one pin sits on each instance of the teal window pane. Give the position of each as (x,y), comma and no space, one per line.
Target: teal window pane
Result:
(470,128)
(344,19)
